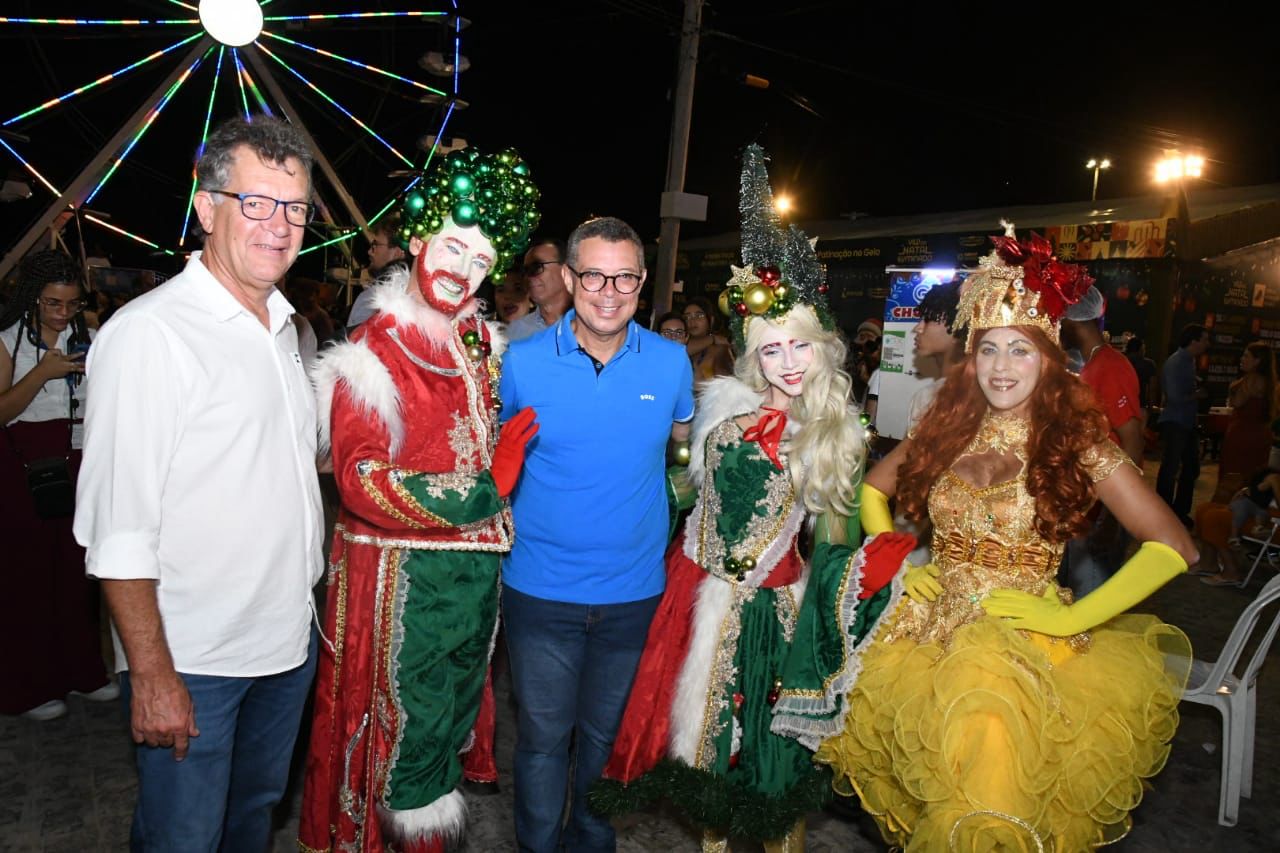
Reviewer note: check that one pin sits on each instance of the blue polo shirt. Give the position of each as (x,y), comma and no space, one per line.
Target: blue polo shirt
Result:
(591,506)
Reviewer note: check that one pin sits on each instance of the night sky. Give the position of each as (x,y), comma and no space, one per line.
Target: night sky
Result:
(879,109)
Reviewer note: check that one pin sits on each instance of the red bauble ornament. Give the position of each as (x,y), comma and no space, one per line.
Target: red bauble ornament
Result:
(484,345)
(733,761)
(822,288)
(770,275)
(741,309)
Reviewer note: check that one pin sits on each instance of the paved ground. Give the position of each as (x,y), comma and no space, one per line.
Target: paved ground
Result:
(68,785)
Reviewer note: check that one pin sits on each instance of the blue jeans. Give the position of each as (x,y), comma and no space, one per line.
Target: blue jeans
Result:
(571,670)
(220,797)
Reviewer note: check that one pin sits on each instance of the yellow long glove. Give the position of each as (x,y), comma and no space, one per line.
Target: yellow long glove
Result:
(875,514)
(1152,567)
(921,583)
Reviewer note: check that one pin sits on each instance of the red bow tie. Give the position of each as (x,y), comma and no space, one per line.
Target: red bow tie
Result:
(768,433)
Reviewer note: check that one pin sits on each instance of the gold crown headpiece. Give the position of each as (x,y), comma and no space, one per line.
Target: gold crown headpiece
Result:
(1020,284)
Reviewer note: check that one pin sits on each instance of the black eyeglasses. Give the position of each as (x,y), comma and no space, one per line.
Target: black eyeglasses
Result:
(594,280)
(534,268)
(262,207)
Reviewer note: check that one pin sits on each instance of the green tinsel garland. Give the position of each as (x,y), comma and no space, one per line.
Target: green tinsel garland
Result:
(716,802)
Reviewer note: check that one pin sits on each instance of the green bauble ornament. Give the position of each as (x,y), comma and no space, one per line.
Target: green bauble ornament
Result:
(508,156)
(520,168)
(457,160)
(435,223)
(463,184)
(433,191)
(531,218)
(471,337)
(416,202)
(464,214)
(531,193)
(489,224)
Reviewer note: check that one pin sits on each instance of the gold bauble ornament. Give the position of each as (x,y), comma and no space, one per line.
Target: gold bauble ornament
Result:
(475,352)
(726,308)
(758,297)
(681,454)
(781,291)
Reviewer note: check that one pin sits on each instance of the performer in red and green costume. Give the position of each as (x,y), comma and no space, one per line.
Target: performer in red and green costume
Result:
(409,408)
(755,644)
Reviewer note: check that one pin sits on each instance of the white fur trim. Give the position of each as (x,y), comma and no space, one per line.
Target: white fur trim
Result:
(445,818)
(369,383)
(497,338)
(391,296)
(719,400)
(689,707)
(793,715)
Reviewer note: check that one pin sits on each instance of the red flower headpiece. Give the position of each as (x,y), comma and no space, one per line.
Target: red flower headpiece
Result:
(1059,284)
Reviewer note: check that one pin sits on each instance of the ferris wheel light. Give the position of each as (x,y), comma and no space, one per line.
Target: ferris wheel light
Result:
(235,23)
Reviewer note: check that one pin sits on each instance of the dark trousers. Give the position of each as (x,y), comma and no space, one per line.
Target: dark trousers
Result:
(1179,466)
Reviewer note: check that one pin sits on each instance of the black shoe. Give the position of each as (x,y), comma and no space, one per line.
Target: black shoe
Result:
(481,789)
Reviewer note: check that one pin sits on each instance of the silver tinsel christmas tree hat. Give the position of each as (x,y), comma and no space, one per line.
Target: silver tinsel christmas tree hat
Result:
(780,268)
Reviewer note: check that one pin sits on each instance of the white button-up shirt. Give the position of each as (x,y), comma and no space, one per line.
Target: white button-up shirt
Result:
(199,472)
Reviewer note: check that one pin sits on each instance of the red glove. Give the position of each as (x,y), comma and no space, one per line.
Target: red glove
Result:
(508,456)
(884,555)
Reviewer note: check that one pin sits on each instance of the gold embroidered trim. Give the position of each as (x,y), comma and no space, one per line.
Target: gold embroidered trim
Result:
(365,471)
(430,545)
(339,622)
(723,675)
(303,848)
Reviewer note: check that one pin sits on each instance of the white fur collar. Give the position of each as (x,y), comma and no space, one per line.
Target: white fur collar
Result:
(719,400)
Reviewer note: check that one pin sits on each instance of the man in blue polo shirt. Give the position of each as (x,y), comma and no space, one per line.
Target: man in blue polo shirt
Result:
(585,573)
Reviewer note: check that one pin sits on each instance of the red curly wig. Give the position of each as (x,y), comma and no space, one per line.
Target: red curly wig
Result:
(1065,422)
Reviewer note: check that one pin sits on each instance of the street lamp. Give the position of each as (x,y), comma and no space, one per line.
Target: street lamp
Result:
(782,204)
(1097,166)
(1175,167)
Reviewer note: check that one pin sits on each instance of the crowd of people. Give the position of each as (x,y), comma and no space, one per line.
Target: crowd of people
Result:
(944,636)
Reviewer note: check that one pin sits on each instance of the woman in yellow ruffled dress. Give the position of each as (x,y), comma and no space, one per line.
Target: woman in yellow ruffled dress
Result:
(993,713)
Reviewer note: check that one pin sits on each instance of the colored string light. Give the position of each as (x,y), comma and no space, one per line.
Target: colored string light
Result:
(185,5)
(335,104)
(32,169)
(354,62)
(204,137)
(100,22)
(146,124)
(244,96)
(257,93)
(338,239)
(143,240)
(103,79)
(353,15)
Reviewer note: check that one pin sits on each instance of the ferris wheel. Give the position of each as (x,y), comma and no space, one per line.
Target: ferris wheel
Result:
(229,57)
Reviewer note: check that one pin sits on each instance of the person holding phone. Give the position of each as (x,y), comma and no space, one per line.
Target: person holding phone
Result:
(50,603)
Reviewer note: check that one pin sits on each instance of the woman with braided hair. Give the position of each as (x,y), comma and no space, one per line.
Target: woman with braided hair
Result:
(49,603)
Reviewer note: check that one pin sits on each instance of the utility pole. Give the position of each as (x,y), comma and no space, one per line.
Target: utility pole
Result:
(676,204)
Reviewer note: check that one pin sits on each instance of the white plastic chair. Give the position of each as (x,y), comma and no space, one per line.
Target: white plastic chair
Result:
(1236,698)
(1268,549)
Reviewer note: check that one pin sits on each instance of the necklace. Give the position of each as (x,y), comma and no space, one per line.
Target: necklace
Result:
(1000,433)
(1094,350)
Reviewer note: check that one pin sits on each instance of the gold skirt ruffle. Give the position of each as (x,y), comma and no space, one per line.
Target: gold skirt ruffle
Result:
(1009,740)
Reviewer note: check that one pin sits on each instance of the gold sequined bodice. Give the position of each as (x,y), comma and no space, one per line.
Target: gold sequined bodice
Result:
(984,538)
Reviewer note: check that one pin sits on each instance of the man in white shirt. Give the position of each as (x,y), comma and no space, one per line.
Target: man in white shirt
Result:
(199,505)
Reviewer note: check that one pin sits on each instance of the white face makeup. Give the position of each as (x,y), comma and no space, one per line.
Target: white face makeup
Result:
(451,265)
(784,360)
(1008,366)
